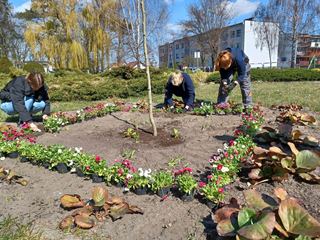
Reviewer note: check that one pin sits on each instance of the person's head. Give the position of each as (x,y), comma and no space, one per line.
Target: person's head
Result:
(176,78)
(35,80)
(224,60)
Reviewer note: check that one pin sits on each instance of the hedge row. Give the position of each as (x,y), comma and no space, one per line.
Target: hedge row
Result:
(276,75)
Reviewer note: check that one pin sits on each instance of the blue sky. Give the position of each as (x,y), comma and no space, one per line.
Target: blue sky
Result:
(179,8)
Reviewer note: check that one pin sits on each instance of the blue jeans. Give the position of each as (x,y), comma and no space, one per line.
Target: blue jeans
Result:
(32,106)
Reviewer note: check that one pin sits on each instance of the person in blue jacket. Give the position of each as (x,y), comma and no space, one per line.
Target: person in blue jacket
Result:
(26,95)
(181,85)
(230,61)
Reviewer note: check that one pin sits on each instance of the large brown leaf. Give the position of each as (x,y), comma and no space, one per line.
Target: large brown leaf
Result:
(224,213)
(118,211)
(85,211)
(66,223)
(134,209)
(100,196)
(71,201)
(296,220)
(84,221)
(258,200)
(280,193)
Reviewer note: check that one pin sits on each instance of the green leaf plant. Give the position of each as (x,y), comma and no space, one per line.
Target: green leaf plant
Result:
(101,206)
(282,219)
(175,133)
(277,165)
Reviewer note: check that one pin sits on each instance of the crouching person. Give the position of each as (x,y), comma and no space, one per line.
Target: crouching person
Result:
(26,95)
(181,85)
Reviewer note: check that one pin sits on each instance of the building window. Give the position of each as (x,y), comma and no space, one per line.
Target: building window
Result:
(162,50)
(182,45)
(232,34)
(161,59)
(238,45)
(238,33)
(177,55)
(181,55)
(177,46)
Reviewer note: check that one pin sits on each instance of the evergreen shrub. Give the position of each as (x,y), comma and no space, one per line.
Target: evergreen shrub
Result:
(5,65)
(33,67)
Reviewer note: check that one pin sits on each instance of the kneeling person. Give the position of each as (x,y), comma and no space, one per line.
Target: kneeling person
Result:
(26,95)
(181,85)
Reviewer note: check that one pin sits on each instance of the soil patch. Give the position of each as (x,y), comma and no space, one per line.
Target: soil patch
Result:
(199,138)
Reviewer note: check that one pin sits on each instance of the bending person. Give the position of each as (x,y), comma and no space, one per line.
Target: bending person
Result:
(26,95)
(181,85)
(229,62)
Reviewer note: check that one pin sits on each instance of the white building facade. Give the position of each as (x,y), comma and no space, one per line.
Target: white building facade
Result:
(242,35)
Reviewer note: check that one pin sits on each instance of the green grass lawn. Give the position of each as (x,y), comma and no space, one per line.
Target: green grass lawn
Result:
(302,93)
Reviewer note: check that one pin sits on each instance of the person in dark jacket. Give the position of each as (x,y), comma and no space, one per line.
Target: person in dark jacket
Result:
(26,95)
(230,61)
(181,85)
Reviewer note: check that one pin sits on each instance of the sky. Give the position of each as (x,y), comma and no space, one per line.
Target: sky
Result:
(179,8)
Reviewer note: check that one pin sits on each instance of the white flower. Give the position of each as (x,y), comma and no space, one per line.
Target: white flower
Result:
(148,171)
(127,189)
(59,151)
(73,170)
(75,155)
(78,149)
(201,103)
(78,111)
(135,106)
(1,148)
(226,147)
(129,175)
(70,162)
(214,165)
(225,169)
(219,151)
(234,143)
(2,158)
(140,169)
(243,146)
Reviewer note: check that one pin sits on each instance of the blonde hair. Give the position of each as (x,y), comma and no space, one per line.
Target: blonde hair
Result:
(35,79)
(176,78)
(224,60)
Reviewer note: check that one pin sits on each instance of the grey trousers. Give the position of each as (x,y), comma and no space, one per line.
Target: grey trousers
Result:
(245,86)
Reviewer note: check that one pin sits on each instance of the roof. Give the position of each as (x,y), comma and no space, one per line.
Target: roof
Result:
(132,64)
(116,64)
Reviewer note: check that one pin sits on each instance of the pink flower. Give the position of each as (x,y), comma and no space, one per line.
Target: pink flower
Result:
(220,190)
(165,197)
(133,169)
(217,182)
(120,171)
(211,160)
(201,184)
(231,157)
(219,167)
(116,160)
(88,168)
(225,154)
(220,178)
(97,159)
(209,176)
(187,169)
(231,143)
(227,187)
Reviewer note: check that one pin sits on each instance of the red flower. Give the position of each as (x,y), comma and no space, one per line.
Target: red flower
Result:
(97,159)
(88,168)
(219,167)
(220,190)
(165,197)
(231,143)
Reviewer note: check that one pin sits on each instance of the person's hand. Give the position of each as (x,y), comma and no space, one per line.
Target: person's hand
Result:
(34,127)
(45,116)
(231,87)
(185,110)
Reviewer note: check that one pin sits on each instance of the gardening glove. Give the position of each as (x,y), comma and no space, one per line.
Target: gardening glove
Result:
(225,86)
(173,110)
(184,110)
(230,87)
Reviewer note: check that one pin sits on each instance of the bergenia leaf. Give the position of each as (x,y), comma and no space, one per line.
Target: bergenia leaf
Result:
(22,182)
(100,195)
(311,141)
(296,220)
(134,209)
(246,216)
(262,228)
(118,211)
(258,200)
(308,160)
(259,150)
(285,128)
(310,177)
(116,200)
(287,162)
(279,174)
(85,211)
(71,201)
(296,134)
(275,149)
(2,169)
(11,175)
(228,227)
(66,223)
(84,221)
(256,173)
(224,213)
(280,193)
(307,118)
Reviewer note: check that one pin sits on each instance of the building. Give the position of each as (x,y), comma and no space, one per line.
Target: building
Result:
(135,65)
(185,52)
(308,46)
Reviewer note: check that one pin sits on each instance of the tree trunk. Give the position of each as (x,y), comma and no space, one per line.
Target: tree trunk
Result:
(147,68)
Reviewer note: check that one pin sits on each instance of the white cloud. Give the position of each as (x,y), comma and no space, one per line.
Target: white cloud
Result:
(172,27)
(23,7)
(244,7)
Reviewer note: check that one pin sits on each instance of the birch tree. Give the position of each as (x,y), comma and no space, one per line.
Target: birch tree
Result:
(156,12)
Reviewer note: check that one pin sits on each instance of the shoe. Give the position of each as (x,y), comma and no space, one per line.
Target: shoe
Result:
(19,122)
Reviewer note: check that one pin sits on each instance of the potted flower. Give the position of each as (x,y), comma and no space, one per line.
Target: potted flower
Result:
(119,172)
(197,111)
(218,109)
(237,110)
(227,109)
(139,182)
(10,148)
(23,150)
(186,183)
(162,182)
